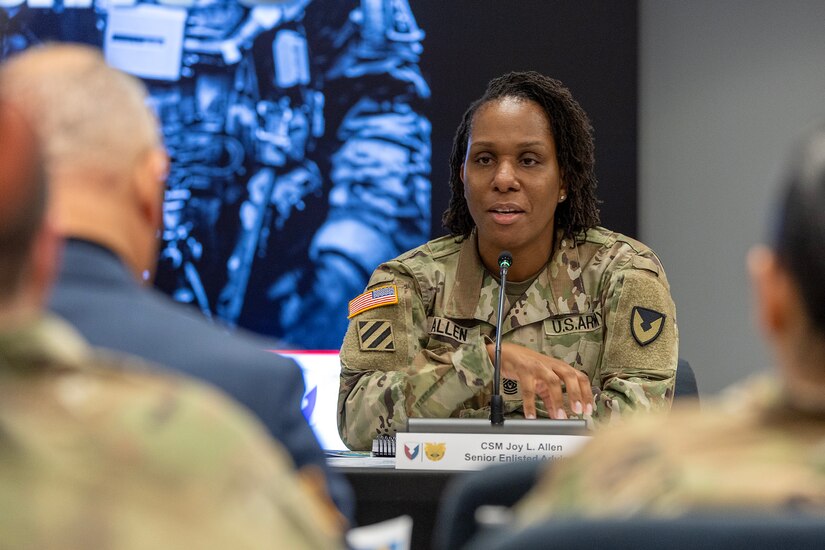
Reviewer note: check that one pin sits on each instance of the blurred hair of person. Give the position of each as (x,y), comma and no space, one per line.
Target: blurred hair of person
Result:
(99,450)
(105,165)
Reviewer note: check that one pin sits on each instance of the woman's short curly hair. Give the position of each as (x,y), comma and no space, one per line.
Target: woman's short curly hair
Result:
(573,135)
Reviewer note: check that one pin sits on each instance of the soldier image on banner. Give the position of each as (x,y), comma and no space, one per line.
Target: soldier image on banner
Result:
(300,158)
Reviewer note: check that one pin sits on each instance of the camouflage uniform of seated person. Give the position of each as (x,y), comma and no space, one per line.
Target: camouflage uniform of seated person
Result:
(589,325)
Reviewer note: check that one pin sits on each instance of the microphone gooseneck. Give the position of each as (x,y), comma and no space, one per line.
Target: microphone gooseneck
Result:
(505,260)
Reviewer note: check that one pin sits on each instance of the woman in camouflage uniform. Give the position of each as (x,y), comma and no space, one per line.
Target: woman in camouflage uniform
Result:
(590,325)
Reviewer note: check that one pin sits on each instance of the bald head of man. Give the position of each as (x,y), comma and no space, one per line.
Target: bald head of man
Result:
(102,152)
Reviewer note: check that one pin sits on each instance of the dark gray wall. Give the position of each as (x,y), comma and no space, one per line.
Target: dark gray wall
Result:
(590,45)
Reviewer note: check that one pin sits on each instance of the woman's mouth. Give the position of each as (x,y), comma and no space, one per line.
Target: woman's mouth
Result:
(505,214)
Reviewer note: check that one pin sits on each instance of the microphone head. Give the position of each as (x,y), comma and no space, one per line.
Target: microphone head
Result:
(505,259)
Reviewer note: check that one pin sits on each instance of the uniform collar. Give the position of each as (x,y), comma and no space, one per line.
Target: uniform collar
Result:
(557,290)
(470,275)
(564,278)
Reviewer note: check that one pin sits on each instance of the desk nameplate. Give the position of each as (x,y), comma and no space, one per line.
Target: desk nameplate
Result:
(474,451)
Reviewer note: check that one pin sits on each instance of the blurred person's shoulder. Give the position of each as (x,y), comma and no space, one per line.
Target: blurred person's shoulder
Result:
(150,442)
(686,430)
(687,459)
(57,379)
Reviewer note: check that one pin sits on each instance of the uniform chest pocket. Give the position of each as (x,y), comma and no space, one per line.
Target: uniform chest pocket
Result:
(576,339)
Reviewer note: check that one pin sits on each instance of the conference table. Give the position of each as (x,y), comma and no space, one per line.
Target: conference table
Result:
(382,492)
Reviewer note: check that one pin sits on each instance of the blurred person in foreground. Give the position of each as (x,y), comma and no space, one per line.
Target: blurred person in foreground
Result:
(105,167)
(101,451)
(762,445)
(589,310)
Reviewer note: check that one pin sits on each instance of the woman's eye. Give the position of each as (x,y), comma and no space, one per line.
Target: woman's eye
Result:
(484,161)
(529,161)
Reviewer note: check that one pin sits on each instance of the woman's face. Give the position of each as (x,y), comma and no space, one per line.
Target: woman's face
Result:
(512,181)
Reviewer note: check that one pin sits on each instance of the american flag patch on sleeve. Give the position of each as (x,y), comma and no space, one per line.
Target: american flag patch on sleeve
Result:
(377,297)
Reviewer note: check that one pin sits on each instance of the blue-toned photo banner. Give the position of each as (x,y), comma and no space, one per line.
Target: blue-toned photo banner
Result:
(310,139)
(300,157)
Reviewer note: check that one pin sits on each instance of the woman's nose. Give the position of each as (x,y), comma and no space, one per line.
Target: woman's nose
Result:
(505,177)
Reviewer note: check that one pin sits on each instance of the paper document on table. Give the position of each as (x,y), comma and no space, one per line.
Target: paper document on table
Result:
(394,533)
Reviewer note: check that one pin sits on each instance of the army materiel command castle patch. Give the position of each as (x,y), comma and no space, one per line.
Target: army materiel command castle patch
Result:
(646,325)
(375,335)
(377,297)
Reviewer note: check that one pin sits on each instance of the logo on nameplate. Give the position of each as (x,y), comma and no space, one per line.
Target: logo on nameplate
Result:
(375,335)
(585,322)
(411,451)
(445,327)
(646,325)
(435,451)
(509,387)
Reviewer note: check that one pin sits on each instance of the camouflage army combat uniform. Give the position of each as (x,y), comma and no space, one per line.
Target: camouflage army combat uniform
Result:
(415,345)
(93,455)
(754,450)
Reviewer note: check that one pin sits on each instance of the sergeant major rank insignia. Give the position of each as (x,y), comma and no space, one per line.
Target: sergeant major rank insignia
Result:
(509,387)
(646,325)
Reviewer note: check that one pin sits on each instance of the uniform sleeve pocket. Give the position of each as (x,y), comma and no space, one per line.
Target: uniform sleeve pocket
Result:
(588,357)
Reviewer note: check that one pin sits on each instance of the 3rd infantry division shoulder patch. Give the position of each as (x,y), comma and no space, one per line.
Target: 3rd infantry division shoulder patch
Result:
(646,325)
(375,335)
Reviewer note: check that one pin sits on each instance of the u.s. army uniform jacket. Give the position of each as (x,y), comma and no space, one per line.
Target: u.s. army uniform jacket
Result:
(754,449)
(102,451)
(416,342)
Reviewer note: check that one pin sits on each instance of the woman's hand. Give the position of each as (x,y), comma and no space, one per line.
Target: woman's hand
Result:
(544,376)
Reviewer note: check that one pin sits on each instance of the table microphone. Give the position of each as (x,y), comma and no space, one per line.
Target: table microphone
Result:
(505,260)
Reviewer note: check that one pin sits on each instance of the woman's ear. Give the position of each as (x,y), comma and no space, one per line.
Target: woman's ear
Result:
(775,299)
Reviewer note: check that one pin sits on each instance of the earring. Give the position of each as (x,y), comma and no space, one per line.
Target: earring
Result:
(561,199)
